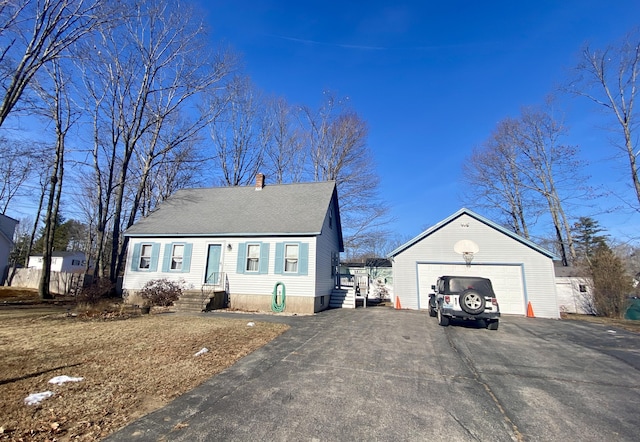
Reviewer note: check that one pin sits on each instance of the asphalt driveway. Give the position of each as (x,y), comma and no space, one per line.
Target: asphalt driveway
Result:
(383,374)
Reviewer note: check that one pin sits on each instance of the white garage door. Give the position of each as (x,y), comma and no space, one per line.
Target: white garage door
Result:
(507,282)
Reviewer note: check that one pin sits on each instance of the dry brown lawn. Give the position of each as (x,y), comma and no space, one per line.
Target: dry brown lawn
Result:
(633,326)
(130,366)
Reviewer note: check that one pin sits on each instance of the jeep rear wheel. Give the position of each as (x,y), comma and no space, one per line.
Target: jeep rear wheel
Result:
(492,325)
(432,312)
(442,320)
(472,302)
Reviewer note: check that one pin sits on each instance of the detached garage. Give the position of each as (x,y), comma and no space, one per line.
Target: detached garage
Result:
(468,244)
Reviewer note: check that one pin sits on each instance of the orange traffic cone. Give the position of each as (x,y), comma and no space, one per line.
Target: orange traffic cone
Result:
(530,311)
(398,303)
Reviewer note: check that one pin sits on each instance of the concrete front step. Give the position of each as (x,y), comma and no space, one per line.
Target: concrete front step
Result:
(198,301)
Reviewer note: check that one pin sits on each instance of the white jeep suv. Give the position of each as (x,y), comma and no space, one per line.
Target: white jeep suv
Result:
(464,297)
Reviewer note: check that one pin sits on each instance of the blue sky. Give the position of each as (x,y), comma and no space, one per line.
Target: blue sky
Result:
(432,79)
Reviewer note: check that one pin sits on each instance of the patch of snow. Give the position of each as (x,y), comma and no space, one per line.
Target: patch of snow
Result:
(201,352)
(251,324)
(36,398)
(611,331)
(59,380)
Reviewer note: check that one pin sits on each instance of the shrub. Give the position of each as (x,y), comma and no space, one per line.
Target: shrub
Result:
(611,284)
(99,289)
(161,292)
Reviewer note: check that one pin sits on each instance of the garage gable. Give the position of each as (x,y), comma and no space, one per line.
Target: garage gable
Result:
(520,271)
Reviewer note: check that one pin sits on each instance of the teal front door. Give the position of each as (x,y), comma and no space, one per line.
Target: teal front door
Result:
(213,264)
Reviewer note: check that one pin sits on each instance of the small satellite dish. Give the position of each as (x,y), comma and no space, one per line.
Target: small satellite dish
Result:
(465,246)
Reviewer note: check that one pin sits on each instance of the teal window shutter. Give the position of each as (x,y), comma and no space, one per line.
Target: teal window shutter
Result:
(186,258)
(303,259)
(155,254)
(242,256)
(135,259)
(279,267)
(264,258)
(166,259)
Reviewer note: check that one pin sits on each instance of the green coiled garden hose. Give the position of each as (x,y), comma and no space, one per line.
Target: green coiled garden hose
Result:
(274,300)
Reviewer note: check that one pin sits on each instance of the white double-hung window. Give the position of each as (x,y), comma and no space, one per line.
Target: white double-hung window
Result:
(291,256)
(145,256)
(177,255)
(253,258)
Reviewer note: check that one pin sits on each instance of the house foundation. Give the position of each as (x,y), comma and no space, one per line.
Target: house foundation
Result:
(304,305)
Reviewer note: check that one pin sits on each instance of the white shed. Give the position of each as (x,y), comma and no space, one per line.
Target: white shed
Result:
(468,244)
(70,262)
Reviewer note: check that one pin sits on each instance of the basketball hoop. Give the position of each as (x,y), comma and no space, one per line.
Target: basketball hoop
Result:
(467,249)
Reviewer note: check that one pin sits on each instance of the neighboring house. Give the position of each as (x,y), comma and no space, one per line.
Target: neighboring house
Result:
(377,271)
(69,262)
(7,229)
(574,290)
(243,240)
(466,243)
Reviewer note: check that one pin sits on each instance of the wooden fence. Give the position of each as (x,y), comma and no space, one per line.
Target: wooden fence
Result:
(62,283)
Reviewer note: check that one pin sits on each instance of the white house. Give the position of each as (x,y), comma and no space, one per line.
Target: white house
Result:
(245,241)
(466,243)
(7,229)
(69,262)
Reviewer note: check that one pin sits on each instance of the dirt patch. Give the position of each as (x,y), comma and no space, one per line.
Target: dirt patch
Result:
(130,366)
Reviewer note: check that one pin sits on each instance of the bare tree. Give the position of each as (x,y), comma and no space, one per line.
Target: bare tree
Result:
(36,32)
(44,180)
(609,78)
(284,153)
(525,167)
(18,161)
(172,170)
(140,77)
(61,112)
(493,180)
(236,132)
(550,166)
(336,140)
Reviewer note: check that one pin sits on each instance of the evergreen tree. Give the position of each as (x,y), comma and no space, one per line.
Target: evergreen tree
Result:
(587,238)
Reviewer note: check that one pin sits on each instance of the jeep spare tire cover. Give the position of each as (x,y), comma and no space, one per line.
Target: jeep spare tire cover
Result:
(472,302)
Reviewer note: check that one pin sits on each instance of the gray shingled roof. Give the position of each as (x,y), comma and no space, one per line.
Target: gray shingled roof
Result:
(284,209)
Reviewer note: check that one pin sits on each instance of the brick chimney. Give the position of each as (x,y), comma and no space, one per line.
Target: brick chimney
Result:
(259,181)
